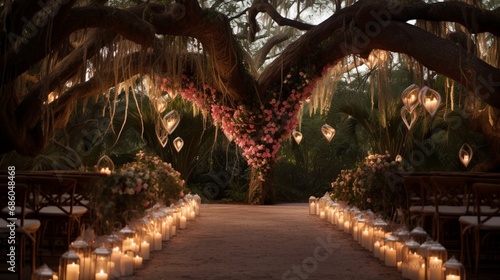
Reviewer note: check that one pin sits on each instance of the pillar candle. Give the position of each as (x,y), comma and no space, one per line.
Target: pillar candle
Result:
(435,268)
(382,253)
(116,257)
(376,249)
(183,223)
(101,275)
(72,271)
(86,267)
(193,215)
(322,215)
(157,241)
(421,272)
(126,265)
(164,231)
(145,250)
(452,277)
(137,262)
(312,208)
(390,257)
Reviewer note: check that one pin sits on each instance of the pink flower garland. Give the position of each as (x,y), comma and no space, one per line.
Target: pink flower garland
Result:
(259,132)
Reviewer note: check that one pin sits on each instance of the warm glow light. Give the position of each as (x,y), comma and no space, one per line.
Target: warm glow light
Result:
(171,120)
(297,136)
(328,132)
(399,158)
(430,99)
(52,96)
(178,143)
(465,154)
(105,165)
(160,104)
(410,97)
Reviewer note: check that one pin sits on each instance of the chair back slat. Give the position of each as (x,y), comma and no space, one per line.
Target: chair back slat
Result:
(486,194)
(54,191)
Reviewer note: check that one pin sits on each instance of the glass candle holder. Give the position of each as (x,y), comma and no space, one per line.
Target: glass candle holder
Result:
(44,273)
(69,266)
(390,251)
(411,261)
(436,254)
(379,230)
(101,259)
(454,270)
(82,249)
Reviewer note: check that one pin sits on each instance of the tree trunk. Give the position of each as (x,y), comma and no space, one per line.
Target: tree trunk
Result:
(261,192)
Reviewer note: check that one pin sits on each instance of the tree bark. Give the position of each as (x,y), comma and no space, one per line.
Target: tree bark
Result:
(261,192)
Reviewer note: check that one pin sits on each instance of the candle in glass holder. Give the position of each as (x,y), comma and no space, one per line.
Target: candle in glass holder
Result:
(157,241)
(183,223)
(452,277)
(376,249)
(126,265)
(390,257)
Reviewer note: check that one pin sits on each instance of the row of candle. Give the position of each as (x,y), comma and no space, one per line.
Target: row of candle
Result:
(125,250)
(412,253)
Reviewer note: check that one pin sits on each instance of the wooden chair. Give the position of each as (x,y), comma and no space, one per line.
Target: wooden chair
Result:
(418,206)
(27,228)
(451,201)
(56,203)
(484,223)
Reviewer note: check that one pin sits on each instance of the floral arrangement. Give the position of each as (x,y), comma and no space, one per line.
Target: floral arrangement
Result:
(371,184)
(259,130)
(136,186)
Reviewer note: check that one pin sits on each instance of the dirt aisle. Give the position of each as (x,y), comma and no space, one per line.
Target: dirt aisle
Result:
(262,242)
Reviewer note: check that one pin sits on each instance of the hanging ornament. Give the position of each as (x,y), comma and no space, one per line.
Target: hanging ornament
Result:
(297,136)
(105,165)
(160,104)
(161,133)
(399,158)
(408,118)
(465,154)
(328,132)
(178,143)
(430,99)
(410,97)
(171,121)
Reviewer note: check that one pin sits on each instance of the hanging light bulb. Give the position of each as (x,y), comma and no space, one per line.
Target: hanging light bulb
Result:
(410,97)
(297,136)
(465,154)
(171,121)
(408,118)
(178,144)
(328,132)
(430,99)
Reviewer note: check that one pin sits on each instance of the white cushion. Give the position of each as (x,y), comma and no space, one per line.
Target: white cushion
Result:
(18,210)
(428,209)
(30,225)
(452,210)
(54,210)
(493,223)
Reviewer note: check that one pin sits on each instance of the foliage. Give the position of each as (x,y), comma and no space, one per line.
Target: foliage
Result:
(371,184)
(136,186)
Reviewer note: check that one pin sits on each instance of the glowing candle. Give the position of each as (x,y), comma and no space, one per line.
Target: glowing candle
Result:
(145,250)
(452,277)
(72,271)
(157,241)
(101,275)
(390,257)
(376,249)
(435,268)
(183,223)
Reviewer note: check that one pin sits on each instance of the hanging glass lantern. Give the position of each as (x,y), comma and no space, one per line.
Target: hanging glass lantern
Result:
(430,99)
(171,120)
(101,259)
(297,136)
(44,273)
(105,165)
(454,270)
(410,97)
(69,266)
(160,104)
(328,132)
(465,154)
(409,119)
(178,144)
(161,133)
(399,158)
(82,249)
